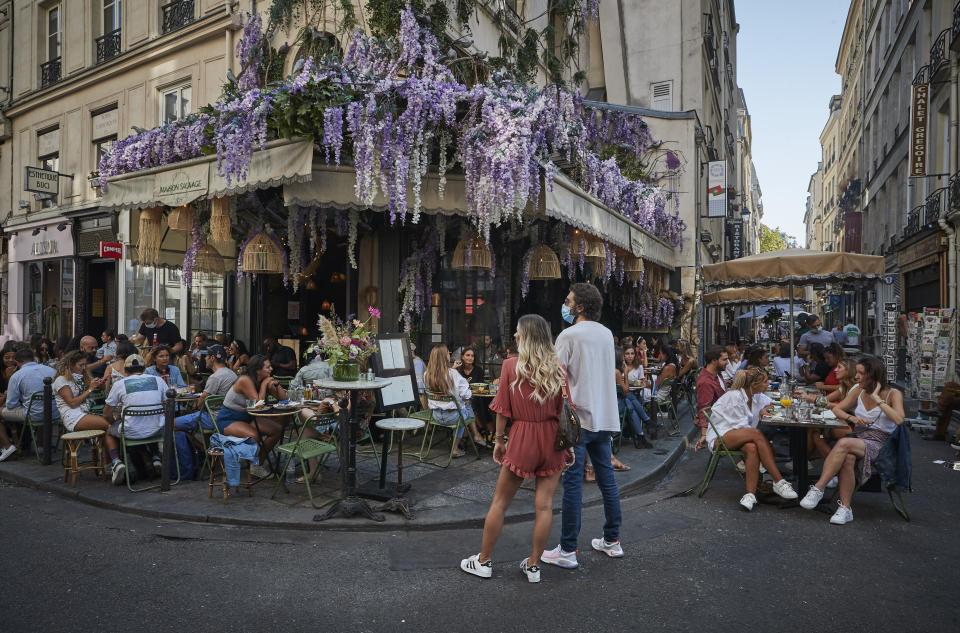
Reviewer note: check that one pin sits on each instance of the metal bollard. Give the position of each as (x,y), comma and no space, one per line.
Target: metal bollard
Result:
(169,409)
(47,422)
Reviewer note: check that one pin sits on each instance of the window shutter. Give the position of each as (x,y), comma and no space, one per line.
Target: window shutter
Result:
(661,96)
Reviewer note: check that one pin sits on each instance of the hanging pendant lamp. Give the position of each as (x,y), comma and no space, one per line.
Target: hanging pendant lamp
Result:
(472,253)
(544,264)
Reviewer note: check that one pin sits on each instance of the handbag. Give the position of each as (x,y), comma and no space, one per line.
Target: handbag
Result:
(568,426)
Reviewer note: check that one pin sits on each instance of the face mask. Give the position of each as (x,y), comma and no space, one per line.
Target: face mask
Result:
(566,313)
(815,330)
(150,325)
(78,377)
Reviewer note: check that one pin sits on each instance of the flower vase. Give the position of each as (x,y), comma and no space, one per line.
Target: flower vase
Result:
(346,370)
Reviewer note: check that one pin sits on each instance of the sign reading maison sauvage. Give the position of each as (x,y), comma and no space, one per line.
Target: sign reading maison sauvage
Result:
(180,186)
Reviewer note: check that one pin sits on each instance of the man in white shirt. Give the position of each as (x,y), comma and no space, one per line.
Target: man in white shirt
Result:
(852,334)
(586,351)
(137,389)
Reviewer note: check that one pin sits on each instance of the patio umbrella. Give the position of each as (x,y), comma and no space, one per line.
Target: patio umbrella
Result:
(789,267)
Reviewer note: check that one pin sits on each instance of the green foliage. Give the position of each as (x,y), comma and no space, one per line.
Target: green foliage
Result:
(771,239)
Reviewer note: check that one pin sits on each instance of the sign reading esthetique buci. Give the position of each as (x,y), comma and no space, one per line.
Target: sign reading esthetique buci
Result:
(41,180)
(180,186)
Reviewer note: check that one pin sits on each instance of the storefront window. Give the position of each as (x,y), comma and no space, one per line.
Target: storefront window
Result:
(206,303)
(49,298)
(139,295)
(172,300)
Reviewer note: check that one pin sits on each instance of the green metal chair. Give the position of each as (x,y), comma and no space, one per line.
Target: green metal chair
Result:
(33,423)
(304,449)
(97,399)
(715,456)
(690,387)
(211,406)
(140,411)
(432,425)
(664,401)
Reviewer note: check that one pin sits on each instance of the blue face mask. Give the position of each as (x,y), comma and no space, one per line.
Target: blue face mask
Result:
(566,313)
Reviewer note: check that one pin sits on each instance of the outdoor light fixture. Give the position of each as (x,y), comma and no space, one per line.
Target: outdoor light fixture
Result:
(62,226)
(36,232)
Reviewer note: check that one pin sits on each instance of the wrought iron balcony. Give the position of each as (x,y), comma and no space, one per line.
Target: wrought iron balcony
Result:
(921,76)
(938,53)
(954,194)
(955,39)
(933,206)
(50,72)
(176,15)
(108,46)
(913,222)
(708,34)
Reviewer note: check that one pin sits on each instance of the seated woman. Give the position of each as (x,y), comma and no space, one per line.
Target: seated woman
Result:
(817,368)
(734,418)
(473,373)
(686,358)
(44,353)
(879,411)
(255,385)
(442,379)
(160,365)
(116,371)
(109,347)
(781,363)
(641,348)
(757,356)
(627,401)
(71,389)
(833,354)
(846,371)
(239,356)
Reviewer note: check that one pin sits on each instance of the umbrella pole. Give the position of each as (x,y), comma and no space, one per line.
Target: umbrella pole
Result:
(792,362)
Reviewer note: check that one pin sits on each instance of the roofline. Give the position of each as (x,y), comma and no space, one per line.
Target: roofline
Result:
(660,114)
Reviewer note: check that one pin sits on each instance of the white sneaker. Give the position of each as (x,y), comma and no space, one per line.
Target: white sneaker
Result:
(613,550)
(748,501)
(812,499)
(763,471)
(118,472)
(473,566)
(842,515)
(784,489)
(7,452)
(833,483)
(560,558)
(532,573)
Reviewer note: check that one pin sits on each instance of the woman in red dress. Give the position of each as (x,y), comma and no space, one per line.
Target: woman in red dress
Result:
(530,395)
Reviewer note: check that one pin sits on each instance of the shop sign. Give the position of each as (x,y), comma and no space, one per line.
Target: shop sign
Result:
(717,189)
(918,130)
(113,250)
(180,186)
(734,239)
(41,180)
(835,300)
(922,249)
(47,244)
(43,248)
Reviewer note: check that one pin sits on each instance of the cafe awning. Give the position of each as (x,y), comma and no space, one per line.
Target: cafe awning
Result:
(280,163)
(752,296)
(793,266)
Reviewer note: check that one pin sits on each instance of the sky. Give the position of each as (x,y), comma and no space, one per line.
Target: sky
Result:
(786,56)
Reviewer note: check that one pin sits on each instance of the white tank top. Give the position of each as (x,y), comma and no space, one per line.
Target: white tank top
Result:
(877,418)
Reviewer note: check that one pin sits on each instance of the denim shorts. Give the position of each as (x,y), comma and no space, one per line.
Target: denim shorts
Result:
(226,417)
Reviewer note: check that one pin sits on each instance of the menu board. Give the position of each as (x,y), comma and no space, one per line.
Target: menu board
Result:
(394,360)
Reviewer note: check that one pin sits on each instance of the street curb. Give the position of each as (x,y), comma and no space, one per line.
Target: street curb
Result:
(391,524)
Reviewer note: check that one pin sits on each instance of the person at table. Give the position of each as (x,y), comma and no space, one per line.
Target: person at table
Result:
(116,370)
(879,410)
(816,369)
(710,386)
(160,365)
(733,363)
(815,334)
(851,334)
(44,353)
(137,389)
(686,359)
(234,420)
(491,351)
(282,358)
(441,378)
(7,355)
(199,343)
(473,374)
(846,372)
(832,355)
(95,365)
(239,356)
(781,363)
(219,382)
(24,383)
(627,401)
(531,396)
(641,348)
(155,330)
(71,390)
(108,338)
(632,367)
(735,416)
(756,356)
(656,348)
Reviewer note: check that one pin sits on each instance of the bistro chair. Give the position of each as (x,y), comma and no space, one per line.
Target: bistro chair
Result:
(215,457)
(690,387)
(141,411)
(34,423)
(721,449)
(303,449)
(211,406)
(664,400)
(73,465)
(432,424)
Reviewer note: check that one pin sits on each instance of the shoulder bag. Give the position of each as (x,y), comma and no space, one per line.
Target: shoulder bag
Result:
(568,427)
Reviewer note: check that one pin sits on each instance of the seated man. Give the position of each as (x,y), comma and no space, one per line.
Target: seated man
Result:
(217,385)
(26,381)
(709,388)
(282,358)
(137,389)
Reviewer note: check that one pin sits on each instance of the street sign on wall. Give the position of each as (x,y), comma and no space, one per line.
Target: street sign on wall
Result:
(918,130)
(734,239)
(717,189)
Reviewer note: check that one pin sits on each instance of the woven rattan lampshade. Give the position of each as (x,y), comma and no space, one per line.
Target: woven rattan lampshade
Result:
(544,264)
(181,219)
(472,253)
(262,256)
(633,266)
(209,261)
(592,248)
(150,236)
(220,220)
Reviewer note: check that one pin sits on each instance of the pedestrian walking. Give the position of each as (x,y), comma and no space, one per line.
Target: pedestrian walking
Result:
(586,351)
(530,395)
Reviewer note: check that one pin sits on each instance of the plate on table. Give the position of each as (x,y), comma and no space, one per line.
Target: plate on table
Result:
(260,409)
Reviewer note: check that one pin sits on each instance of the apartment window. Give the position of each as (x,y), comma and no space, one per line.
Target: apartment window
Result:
(108,44)
(103,124)
(174,103)
(53,33)
(661,96)
(111,15)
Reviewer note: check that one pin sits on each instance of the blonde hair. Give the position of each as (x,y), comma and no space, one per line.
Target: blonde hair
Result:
(436,377)
(747,378)
(850,380)
(537,362)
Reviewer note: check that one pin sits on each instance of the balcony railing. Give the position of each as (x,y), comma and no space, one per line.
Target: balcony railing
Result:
(933,206)
(108,46)
(913,222)
(708,34)
(954,193)
(176,15)
(50,72)
(938,53)
(955,39)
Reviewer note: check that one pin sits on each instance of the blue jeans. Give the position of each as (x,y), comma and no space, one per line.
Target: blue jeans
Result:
(636,414)
(597,444)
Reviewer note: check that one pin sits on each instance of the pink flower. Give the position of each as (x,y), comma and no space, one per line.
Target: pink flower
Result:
(345,341)
(373,312)
(356,323)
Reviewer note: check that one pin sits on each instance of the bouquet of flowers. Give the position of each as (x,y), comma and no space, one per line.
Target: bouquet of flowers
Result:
(341,341)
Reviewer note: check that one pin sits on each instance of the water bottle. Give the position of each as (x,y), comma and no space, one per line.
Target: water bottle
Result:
(653,390)
(291,471)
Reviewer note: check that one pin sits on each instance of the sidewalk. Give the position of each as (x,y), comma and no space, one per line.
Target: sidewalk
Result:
(455,497)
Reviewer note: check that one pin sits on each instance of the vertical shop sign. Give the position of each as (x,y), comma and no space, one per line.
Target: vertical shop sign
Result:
(918,130)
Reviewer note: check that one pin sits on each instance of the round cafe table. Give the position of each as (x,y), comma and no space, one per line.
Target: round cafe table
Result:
(350,503)
(398,503)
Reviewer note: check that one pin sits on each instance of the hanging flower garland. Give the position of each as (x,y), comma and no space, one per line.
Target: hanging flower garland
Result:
(190,256)
(295,220)
(352,238)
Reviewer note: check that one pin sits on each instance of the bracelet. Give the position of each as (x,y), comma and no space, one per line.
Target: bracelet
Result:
(499,436)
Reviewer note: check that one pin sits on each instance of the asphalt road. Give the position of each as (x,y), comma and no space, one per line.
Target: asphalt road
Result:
(691,565)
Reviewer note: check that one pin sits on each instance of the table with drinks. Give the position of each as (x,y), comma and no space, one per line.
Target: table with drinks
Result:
(799,416)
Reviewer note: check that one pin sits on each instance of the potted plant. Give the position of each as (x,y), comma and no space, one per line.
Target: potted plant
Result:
(94,180)
(345,346)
